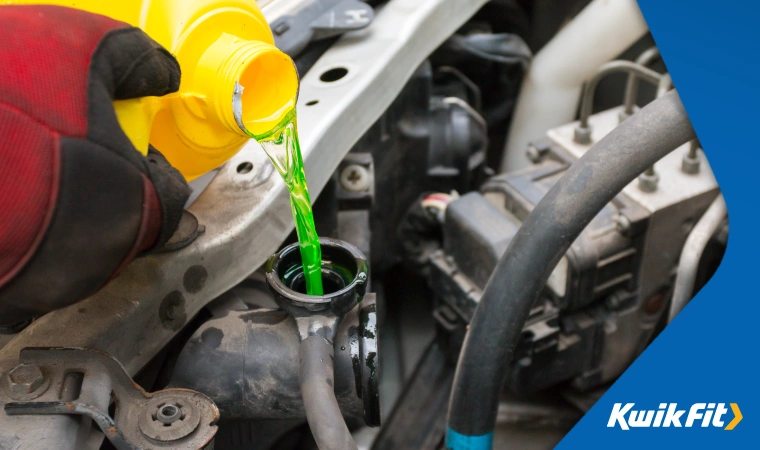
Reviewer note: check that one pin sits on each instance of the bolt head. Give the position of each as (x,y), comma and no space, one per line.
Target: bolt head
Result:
(690,165)
(25,378)
(648,182)
(355,178)
(582,135)
(533,154)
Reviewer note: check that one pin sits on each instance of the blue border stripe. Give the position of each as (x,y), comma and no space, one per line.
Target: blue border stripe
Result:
(458,441)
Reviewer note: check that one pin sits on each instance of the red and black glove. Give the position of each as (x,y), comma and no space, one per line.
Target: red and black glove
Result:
(77,200)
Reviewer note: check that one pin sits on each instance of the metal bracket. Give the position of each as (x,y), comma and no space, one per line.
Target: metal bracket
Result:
(85,382)
(319,19)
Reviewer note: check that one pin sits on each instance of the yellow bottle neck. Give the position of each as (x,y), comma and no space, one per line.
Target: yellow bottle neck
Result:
(252,84)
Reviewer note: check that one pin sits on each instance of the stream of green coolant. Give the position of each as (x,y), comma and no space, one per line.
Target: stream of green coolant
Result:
(282,146)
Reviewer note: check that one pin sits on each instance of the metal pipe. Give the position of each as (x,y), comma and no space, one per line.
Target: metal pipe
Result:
(693,149)
(551,88)
(664,85)
(692,254)
(646,58)
(469,84)
(583,130)
(690,163)
(546,234)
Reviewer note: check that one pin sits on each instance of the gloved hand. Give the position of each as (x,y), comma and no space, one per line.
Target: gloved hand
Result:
(77,200)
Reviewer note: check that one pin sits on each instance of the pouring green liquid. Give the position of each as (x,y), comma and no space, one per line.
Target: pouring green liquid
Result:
(284,150)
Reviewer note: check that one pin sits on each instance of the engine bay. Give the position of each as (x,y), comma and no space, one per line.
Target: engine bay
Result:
(474,167)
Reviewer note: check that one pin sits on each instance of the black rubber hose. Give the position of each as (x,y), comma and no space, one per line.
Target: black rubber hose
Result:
(544,237)
(315,375)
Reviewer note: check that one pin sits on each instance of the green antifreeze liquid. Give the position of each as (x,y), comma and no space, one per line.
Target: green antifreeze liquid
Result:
(282,146)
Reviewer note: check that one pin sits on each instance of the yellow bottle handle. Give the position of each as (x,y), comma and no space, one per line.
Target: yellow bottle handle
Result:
(135,117)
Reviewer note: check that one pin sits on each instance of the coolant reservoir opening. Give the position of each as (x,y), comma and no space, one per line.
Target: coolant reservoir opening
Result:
(339,269)
(332,281)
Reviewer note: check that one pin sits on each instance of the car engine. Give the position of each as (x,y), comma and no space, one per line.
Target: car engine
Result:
(441,140)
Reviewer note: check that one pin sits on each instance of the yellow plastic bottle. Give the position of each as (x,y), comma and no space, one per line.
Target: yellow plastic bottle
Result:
(229,64)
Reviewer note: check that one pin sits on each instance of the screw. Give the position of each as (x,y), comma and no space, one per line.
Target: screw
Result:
(355,178)
(25,378)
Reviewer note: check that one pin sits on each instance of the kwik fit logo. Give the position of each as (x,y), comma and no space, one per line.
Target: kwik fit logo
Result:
(668,415)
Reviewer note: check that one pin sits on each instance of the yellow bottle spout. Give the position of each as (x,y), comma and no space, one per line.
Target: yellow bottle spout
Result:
(253,83)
